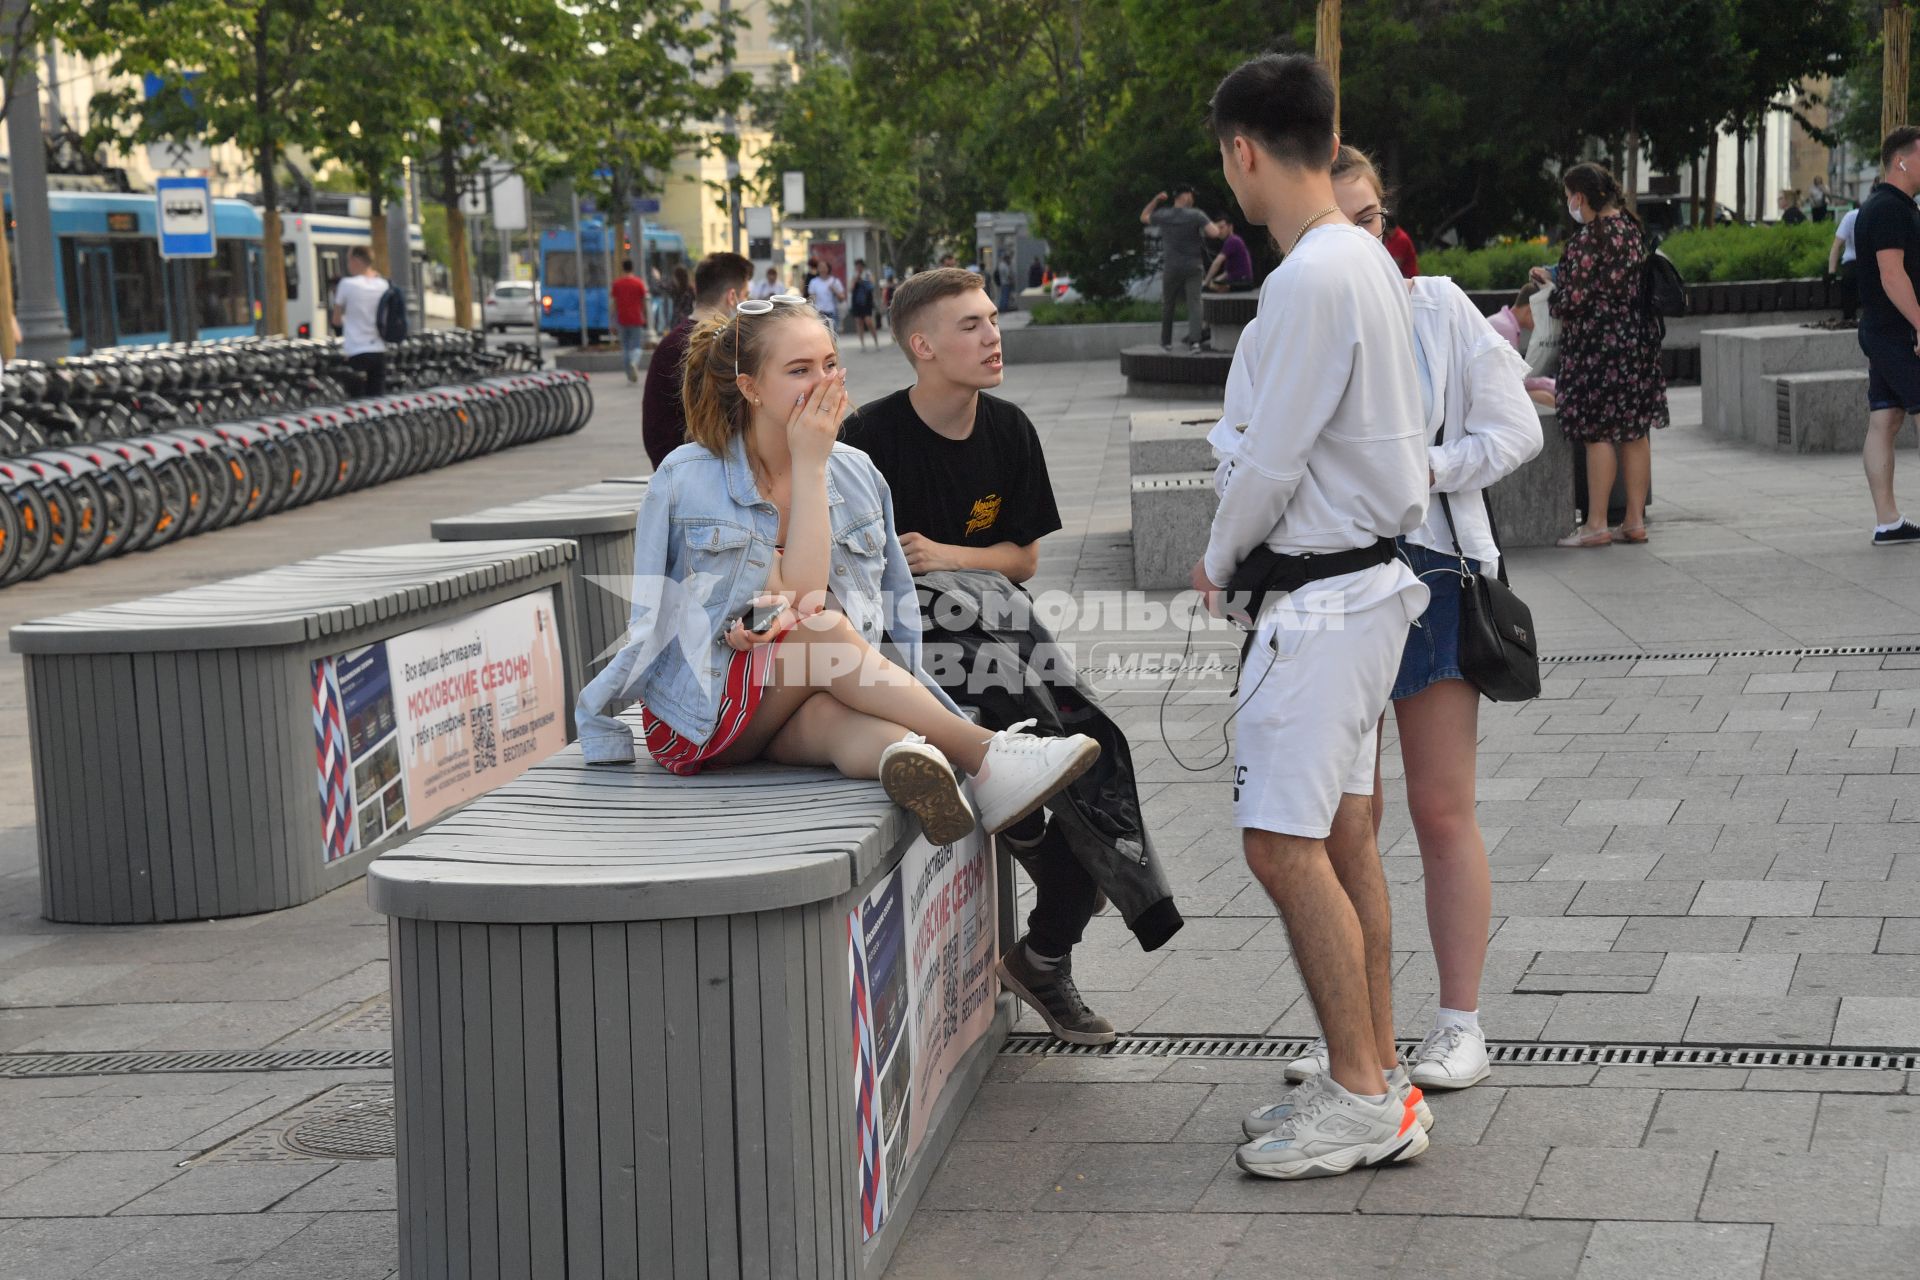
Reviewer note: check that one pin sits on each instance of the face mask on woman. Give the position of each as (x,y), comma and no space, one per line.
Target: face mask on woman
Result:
(1573,211)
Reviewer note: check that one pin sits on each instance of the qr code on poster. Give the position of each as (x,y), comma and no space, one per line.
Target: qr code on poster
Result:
(486,751)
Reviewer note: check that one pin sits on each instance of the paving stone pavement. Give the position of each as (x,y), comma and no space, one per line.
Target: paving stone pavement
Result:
(1713,848)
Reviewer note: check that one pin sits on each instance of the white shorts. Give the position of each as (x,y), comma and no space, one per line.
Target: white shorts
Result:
(1310,700)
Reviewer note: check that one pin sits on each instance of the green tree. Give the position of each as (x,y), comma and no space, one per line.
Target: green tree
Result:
(368,113)
(654,76)
(855,166)
(239,71)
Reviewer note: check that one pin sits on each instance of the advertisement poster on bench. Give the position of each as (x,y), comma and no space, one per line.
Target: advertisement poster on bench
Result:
(408,728)
(921,948)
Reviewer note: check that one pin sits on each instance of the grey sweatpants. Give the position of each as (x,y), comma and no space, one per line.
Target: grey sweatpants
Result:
(1175,281)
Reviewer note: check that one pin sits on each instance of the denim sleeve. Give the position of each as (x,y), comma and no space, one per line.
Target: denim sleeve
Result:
(900,599)
(605,739)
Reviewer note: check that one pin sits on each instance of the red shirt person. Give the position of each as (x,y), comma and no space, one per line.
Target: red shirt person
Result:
(1400,246)
(630,316)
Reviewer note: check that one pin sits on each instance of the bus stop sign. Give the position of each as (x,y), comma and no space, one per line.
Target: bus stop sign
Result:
(186,217)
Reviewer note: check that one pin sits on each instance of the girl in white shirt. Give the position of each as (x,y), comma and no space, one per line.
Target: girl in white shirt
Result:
(1473,386)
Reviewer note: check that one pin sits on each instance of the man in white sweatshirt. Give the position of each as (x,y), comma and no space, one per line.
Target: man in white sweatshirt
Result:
(1332,462)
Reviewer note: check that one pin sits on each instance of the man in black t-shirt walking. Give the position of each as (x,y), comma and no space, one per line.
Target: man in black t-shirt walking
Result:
(970,491)
(1887,247)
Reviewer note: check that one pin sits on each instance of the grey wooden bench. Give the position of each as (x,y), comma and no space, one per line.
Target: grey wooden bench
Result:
(624,1039)
(179,762)
(599,517)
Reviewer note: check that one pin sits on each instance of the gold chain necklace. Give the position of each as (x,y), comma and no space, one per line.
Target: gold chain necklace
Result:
(1308,225)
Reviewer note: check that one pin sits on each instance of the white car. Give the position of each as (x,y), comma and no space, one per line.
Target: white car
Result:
(510,302)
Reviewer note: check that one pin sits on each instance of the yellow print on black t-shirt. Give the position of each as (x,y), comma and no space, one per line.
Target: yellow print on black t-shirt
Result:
(985,512)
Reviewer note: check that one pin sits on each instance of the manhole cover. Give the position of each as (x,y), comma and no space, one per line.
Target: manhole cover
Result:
(363,1131)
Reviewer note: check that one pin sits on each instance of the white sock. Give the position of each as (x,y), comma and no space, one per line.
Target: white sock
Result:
(1046,964)
(1465,1019)
(1889,528)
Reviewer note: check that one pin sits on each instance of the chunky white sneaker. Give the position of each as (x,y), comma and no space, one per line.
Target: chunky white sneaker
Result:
(1023,770)
(1314,1064)
(1452,1058)
(1264,1120)
(919,780)
(1329,1131)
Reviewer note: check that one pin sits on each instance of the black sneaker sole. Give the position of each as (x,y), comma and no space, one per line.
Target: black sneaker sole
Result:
(931,794)
(1066,1034)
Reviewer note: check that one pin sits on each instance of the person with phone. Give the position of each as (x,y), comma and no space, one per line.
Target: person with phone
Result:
(768,576)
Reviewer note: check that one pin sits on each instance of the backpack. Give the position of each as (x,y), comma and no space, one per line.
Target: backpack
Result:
(862,293)
(390,318)
(1662,291)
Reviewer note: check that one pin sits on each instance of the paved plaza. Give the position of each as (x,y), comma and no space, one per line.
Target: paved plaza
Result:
(1697,839)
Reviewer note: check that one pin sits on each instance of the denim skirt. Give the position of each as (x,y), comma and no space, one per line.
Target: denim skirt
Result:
(1433,642)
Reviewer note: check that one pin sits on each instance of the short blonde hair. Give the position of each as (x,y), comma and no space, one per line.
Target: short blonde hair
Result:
(920,291)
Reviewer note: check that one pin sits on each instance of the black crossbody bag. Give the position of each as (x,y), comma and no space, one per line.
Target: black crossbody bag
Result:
(1499,652)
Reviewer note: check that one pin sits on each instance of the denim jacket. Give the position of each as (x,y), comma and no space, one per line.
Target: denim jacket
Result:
(703,549)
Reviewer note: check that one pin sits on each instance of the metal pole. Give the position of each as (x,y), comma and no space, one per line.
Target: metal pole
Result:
(43,324)
(399,239)
(579,267)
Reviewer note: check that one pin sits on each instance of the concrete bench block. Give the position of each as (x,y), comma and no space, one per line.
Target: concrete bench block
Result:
(1169,440)
(1175,375)
(1820,412)
(1534,506)
(1172,517)
(1737,402)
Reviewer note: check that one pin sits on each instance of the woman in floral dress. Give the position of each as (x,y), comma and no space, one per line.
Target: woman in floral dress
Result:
(1611,390)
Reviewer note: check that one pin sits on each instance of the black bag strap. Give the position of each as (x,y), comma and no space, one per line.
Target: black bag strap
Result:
(1493,528)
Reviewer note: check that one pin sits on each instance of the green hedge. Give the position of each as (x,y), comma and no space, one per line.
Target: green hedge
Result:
(1717,254)
(1096,311)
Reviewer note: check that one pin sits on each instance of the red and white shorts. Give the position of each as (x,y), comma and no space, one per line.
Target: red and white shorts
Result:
(746,683)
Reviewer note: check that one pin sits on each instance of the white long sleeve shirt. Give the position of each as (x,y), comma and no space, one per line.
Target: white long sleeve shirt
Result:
(1475,385)
(1334,456)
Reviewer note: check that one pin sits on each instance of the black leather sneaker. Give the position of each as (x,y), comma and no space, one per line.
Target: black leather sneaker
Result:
(1904,533)
(1054,997)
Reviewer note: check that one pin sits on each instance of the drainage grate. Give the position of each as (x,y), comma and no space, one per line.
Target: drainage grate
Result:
(168,1061)
(1028,1044)
(1811,651)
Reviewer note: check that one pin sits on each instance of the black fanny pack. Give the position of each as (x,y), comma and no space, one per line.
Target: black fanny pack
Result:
(1266,571)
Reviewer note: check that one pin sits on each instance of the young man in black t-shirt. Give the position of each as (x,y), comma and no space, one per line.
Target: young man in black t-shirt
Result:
(1886,238)
(970,491)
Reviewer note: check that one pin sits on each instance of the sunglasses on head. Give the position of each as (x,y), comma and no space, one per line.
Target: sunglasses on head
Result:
(761,307)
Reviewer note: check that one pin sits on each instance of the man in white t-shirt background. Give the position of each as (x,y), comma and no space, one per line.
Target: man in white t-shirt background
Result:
(356,316)
(826,293)
(1840,262)
(1331,468)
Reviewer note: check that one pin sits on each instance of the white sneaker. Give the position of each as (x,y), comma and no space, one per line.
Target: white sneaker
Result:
(1022,771)
(919,780)
(1314,1064)
(1264,1120)
(1452,1058)
(1329,1131)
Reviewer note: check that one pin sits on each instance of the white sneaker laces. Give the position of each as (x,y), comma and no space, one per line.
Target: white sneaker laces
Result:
(1015,738)
(1442,1041)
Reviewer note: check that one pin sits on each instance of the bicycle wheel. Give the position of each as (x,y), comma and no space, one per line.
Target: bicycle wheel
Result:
(36,529)
(120,514)
(12,540)
(174,492)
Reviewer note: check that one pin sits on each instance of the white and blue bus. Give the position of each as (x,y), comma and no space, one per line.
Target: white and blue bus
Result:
(117,291)
(600,253)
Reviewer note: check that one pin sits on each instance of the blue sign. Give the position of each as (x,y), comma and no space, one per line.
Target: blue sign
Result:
(646,204)
(186,217)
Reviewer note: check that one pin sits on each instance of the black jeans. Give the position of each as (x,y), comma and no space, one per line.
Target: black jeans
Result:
(371,366)
(1064,895)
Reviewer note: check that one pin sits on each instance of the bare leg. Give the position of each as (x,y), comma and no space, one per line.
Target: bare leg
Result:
(1438,729)
(827,731)
(1355,857)
(1600,468)
(1328,947)
(1883,428)
(1636,461)
(825,654)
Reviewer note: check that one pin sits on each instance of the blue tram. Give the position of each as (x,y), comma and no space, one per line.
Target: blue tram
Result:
(600,253)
